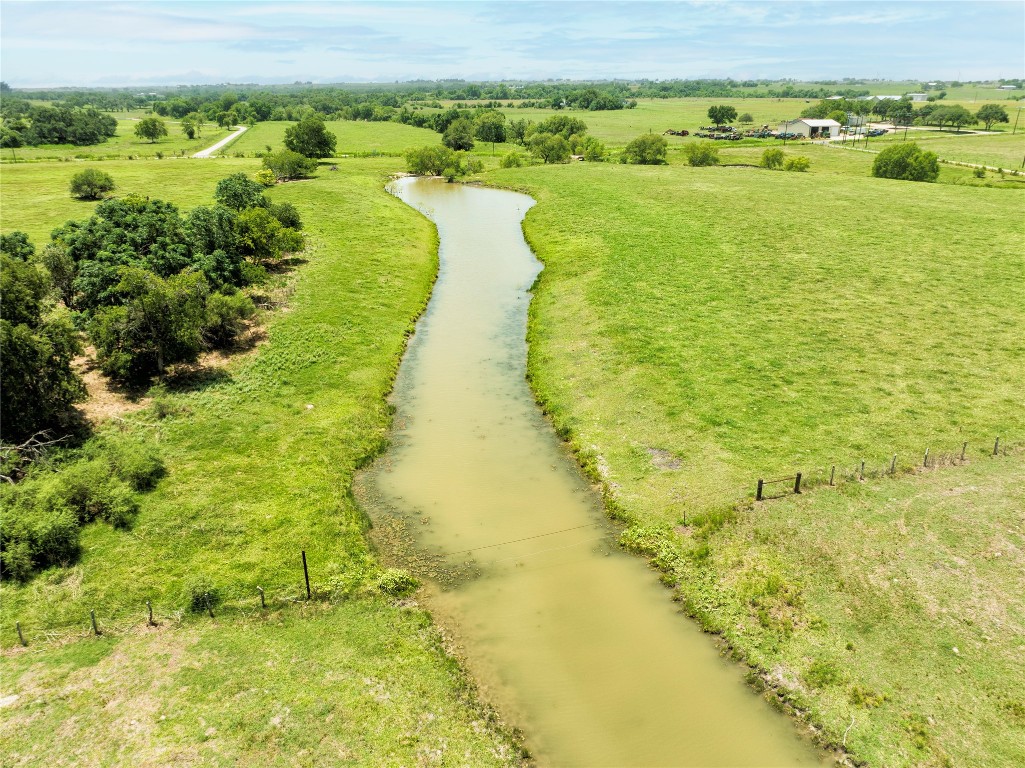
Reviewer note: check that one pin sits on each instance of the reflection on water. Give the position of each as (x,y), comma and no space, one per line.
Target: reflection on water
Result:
(573,640)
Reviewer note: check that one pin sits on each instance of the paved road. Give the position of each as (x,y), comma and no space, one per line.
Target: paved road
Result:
(210,150)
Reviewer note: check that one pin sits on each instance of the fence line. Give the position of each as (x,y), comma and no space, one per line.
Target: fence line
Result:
(930,460)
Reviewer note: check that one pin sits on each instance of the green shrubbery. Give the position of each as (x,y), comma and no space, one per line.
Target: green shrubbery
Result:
(42,515)
(91,184)
(649,149)
(701,153)
(772,158)
(906,161)
(799,164)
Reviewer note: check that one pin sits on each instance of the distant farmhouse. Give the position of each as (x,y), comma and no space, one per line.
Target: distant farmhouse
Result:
(918,96)
(813,129)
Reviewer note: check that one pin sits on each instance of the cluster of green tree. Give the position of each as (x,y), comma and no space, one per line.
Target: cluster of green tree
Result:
(149,286)
(906,161)
(45,511)
(55,125)
(903,112)
(104,99)
(440,160)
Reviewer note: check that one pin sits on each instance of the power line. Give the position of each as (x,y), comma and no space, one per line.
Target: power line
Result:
(516,541)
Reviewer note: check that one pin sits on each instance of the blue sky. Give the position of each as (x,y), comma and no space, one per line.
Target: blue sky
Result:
(100,43)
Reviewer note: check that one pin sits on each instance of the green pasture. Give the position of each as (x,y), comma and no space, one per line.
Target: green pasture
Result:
(753,322)
(354,684)
(36,199)
(696,329)
(891,609)
(123,145)
(260,457)
(353,137)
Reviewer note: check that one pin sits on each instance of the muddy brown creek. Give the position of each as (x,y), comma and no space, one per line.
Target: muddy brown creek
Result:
(575,642)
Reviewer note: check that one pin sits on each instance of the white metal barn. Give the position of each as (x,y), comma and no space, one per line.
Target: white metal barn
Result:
(812,128)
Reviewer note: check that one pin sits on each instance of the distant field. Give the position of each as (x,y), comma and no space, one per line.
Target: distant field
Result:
(619,127)
(123,145)
(353,137)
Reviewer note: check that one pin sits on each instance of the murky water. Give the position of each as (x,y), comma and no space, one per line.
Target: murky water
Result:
(574,641)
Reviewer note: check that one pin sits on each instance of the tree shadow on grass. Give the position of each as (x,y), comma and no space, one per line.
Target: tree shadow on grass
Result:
(284,266)
(194,377)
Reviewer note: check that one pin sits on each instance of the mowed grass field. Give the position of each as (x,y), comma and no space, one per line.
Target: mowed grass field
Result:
(353,137)
(123,145)
(696,329)
(260,458)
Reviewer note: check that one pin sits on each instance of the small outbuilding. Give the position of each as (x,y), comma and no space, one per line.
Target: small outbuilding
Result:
(812,128)
(918,96)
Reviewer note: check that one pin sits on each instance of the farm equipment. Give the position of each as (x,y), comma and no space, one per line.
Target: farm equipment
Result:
(671,132)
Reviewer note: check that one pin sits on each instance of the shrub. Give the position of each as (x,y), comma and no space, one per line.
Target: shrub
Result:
(239,192)
(979,173)
(137,463)
(201,594)
(799,164)
(287,164)
(91,184)
(397,583)
(907,162)
(287,214)
(594,150)
(265,177)
(431,160)
(649,149)
(225,317)
(511,160)
(37,532)
(701,153)
(772,158)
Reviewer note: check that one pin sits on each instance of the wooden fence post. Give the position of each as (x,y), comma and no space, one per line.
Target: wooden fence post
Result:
(964,447)
(92,617)
(306,574)
(925,460)
(149,606)
(832,472)
(797,483)
(21,637)
(893,465)
(263,600)
(861,473)
(996,447)
(758,493)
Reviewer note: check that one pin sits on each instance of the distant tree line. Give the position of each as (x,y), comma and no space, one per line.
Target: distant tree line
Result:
(903,112)
(37,125)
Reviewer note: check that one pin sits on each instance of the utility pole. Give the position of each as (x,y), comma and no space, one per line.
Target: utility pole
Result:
(1016,122)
